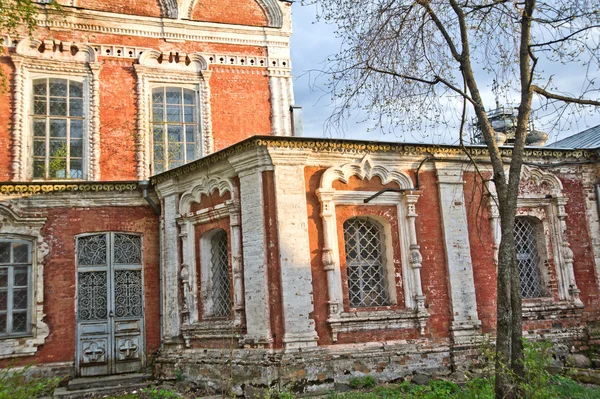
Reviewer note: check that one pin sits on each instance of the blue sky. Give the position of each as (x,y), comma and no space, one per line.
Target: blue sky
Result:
(314,41)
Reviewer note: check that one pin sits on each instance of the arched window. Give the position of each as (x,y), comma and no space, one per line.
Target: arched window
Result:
(364,243)
(215,279)
(527,231)
(58,129)
(174,126)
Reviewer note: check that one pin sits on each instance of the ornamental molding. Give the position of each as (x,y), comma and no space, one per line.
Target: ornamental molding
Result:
(29,228)
(54,57)
(24,189)
(205,186)
(173,61)
(365,170)
(355,147)
(536,183)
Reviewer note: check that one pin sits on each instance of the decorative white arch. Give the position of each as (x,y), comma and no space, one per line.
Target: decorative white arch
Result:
(415,315)
(205,186)
(182,9)
(366,170)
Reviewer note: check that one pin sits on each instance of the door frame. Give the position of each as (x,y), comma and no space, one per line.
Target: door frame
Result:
(110,273)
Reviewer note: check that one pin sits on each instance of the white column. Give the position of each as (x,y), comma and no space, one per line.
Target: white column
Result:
(458,250)
(256,288)
(236,257)
(294,252)
(169,263)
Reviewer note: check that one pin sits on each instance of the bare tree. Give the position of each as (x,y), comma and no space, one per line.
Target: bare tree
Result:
(406,62)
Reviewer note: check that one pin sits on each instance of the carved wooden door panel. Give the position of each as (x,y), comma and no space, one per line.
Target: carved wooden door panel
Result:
(110,311)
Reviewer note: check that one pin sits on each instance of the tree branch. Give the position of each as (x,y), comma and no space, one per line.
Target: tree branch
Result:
(566,99)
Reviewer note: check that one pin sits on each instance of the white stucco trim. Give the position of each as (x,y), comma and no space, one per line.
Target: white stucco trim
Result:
(13,225)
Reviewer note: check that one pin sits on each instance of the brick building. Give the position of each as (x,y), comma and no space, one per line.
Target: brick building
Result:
(155,209)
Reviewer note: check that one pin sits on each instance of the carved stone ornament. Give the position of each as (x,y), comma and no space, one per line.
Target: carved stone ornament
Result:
(27,228)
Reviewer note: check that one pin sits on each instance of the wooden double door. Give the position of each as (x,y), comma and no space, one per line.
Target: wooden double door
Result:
(110,304)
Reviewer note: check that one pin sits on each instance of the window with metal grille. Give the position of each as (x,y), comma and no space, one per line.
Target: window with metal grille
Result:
(367,285)
(528,256)
(219,270)
(174,127)
(15,288)
(58,119)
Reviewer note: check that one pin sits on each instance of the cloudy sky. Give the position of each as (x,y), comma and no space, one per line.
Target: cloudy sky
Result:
(314,41)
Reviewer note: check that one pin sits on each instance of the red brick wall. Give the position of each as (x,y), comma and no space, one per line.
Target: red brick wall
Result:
(429,233)
(60,273)
(239,12)
(149,8)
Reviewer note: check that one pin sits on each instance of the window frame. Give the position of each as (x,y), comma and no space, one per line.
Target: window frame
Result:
(198,153)
(85,118)
(10,289)
(540,240)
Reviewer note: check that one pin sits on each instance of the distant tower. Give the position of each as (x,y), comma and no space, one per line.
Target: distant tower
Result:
(504,122)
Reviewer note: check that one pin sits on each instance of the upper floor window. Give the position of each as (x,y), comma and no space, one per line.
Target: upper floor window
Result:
(174,126)
(15,288)
(58,129)
(527,232)
(367,285)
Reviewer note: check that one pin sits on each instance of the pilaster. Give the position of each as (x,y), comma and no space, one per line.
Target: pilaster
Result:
(458,252)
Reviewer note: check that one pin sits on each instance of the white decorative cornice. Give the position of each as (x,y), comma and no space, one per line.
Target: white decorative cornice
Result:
(56,50)
(366,169)
(180,62)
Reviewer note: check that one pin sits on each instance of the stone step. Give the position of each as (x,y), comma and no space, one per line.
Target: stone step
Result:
(64,393)
(106,381)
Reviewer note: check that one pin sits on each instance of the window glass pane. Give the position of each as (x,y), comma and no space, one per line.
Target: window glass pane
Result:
(190,152)
(76,171)
(58,168)
(39,148)
(39,128)
(159,138)
(175,133)
(76,148)
(158,113)
(173,113)
(189,116)
(39,168)
(189,97)
(20,299)
(2,323)
(58,128)
(3,300)
(39,106)
(58,148)
(75,89)
(75,107)
(4,252)
(173,95)
(19,322)
(158,96)
(20,275)
(190,134)
(175,151)
(58,87)
(76,129)
(3,278)
(20,252)
(58,106)
(39,87)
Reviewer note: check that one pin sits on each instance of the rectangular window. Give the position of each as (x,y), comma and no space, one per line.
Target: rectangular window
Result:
(58,124)
(15,288)
(174,127)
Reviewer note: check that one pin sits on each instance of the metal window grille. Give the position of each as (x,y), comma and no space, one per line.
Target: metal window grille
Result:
(57,129)
(364,263)
(15,287)
(174,127)
(528,258)
(221,285)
